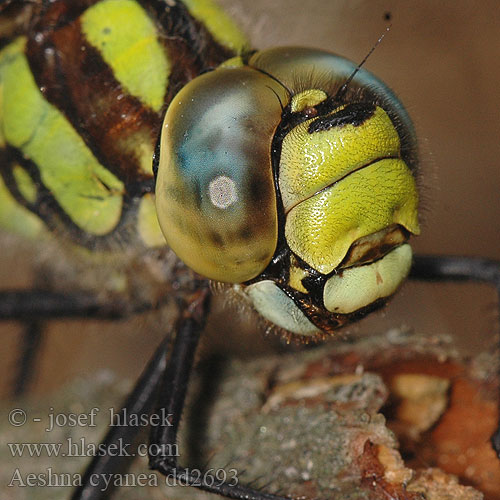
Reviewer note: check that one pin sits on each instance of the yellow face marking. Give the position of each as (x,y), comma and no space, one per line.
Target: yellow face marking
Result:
(321,229)
(306,99)
(310,162)
(297,274)
(357,287)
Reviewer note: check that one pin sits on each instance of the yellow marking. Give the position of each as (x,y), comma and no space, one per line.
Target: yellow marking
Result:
(358,287)
(15,218)
(147,222)
(296,276)
(321,229)
(25,184)
(306,99)
(311,162)
(89,193)
(127,39)
(220,25)
(2,135)
(234,62)
(139,146)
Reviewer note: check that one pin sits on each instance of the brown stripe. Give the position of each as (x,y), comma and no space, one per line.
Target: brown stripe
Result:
(73,77)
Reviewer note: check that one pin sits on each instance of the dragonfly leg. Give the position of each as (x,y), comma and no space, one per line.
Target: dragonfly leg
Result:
(45,304)
(449,268)
(31,339)
(139,403)
(33,306)
(171,402)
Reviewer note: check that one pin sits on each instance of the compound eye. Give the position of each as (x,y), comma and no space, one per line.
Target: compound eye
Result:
(215,194)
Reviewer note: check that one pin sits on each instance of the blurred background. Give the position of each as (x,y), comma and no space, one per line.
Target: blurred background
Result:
(441,58)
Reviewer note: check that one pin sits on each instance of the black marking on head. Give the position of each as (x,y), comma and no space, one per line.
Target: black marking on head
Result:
(353,114)
(216,239)
(313,281)
(257,190)
(156,155)
(262,257)
(197,193)
(246,233)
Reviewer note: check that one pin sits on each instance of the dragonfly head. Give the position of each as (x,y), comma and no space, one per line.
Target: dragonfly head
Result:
(276,176)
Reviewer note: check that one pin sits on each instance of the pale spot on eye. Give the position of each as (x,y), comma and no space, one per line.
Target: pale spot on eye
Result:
(222,191)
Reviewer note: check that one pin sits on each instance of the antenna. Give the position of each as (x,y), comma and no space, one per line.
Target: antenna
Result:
(342,90)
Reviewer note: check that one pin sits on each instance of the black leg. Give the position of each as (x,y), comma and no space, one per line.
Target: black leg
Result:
(30,345)
(171,402)
(45,304)
(35,305)
(139,402)
(445,268)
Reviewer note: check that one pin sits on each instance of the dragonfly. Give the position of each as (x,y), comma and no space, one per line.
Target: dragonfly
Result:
(60,226)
